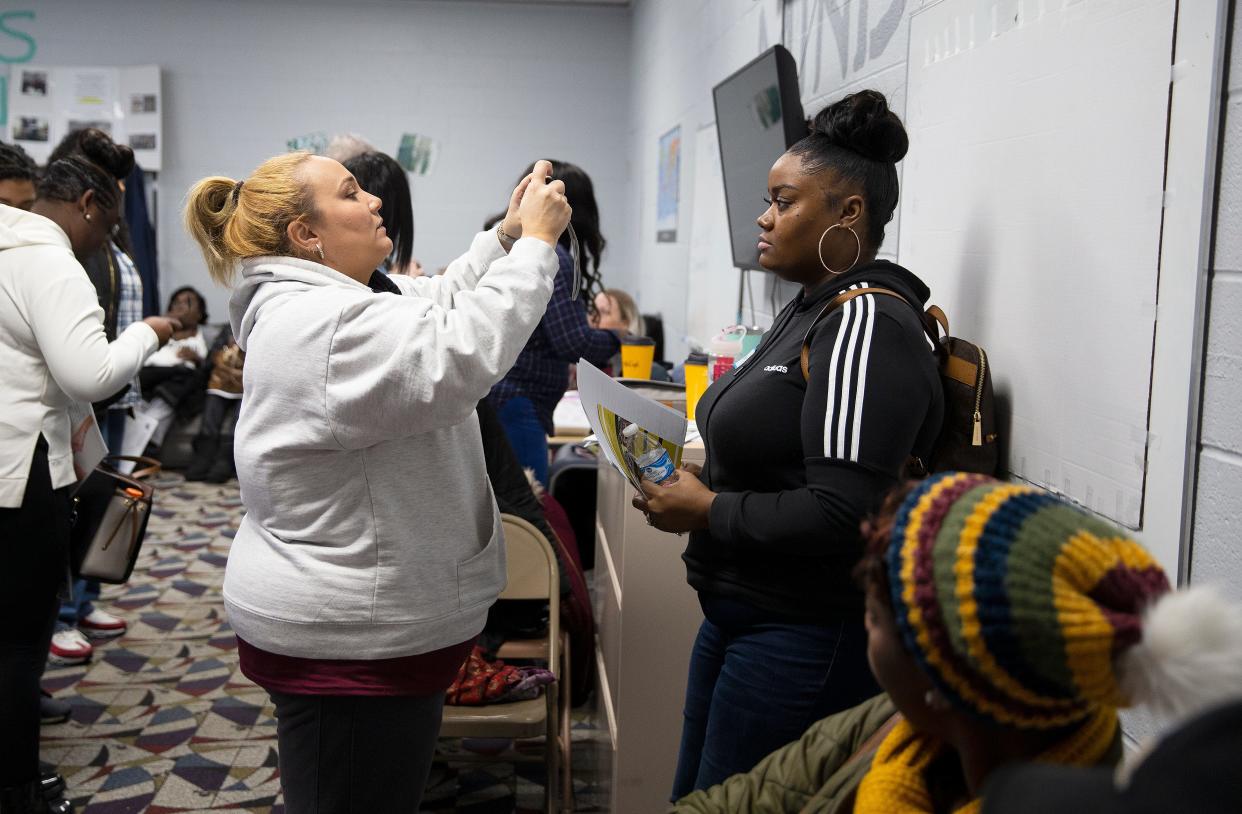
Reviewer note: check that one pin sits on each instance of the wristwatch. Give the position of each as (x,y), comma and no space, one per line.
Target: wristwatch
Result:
(503,236)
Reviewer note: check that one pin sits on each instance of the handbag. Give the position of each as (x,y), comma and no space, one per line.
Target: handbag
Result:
(110,512)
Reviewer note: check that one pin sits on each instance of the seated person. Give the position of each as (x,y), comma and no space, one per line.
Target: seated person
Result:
(169,379)
(513,618)
(213,446)
(1005,625)
(616,310)
(1193,768)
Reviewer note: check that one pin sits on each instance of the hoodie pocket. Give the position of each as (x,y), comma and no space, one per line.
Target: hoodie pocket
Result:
(481,577)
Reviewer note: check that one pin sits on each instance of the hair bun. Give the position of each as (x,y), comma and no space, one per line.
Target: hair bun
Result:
(98,147)
(862,123)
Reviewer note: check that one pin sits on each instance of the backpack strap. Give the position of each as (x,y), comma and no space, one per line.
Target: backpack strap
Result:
(937,317)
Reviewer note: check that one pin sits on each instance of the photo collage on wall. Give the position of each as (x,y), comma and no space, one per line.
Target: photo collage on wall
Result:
(46,103)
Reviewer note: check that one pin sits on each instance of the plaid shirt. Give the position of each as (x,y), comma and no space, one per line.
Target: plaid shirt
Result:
(541,372)
(128,311)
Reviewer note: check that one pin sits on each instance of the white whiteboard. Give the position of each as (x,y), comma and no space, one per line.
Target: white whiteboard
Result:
(1032,207)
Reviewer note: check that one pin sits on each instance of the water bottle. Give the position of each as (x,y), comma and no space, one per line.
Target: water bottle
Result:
(650,456)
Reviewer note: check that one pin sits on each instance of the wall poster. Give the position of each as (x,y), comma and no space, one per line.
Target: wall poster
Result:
(47,102)
(669,184)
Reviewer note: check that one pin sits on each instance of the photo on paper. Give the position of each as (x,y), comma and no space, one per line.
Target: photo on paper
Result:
(668,186)
(30,128)
(34,83)
(417,154)
(767,107)
(142,103)
(314,143)
(142,141)
(86,124)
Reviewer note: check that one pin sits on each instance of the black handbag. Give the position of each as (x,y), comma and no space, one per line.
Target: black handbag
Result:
(110,512)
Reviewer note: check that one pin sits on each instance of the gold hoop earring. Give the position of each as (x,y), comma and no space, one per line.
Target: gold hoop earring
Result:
(319,248)
(820,248)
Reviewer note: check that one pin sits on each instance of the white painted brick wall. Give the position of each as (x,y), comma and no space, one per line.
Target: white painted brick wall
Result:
(498,85)
(1216,553)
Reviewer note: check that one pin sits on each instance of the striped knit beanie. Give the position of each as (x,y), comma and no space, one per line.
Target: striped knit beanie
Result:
(1017,604)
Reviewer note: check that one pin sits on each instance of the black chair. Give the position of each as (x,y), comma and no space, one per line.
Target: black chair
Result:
(655,329)
(571,480)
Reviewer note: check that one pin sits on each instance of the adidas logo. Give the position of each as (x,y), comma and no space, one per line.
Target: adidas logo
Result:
(776,369)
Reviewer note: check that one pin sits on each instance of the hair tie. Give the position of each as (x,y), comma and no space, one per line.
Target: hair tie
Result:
(237,190)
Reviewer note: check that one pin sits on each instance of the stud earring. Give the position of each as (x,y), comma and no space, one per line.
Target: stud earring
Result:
(86,215)
(319,248)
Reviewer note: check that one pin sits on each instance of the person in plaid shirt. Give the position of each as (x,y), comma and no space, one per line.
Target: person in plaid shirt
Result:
(526,397)
(128,311)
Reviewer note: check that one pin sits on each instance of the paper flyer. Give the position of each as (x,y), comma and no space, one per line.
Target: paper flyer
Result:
(640,437)
(138,431)
(86,440)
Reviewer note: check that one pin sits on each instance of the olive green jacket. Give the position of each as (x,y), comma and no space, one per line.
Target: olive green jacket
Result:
(817,774)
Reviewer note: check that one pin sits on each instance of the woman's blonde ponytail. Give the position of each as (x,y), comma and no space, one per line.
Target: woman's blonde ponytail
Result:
(211,205)
(233,220)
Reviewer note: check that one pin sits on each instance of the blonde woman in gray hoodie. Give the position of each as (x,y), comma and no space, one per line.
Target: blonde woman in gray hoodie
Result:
(371,546)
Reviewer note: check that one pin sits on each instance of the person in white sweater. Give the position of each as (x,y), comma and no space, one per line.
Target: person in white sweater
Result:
(53,352)
(371,547)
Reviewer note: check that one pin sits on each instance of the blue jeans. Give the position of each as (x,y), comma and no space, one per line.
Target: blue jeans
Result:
(72,611)
(526,435)
(757,685)
(113,430)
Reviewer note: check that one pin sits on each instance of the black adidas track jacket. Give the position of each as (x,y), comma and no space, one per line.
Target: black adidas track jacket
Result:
(799,464)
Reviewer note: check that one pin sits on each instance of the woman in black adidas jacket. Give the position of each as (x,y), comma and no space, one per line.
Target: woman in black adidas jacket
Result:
(794,464)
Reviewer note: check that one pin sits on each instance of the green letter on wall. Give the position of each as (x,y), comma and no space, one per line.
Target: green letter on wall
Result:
(29,41)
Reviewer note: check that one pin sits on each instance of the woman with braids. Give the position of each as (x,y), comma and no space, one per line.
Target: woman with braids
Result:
(53,351)
(1005,625)
(527,396)
(118,286)
(794,464)
(18,176)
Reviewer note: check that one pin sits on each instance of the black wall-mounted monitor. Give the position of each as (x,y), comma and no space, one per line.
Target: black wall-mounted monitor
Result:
(758,117)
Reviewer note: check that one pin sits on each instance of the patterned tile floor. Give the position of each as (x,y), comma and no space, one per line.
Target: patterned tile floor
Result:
(163,721)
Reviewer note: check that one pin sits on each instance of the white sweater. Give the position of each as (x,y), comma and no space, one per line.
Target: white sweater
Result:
(371,530)
(53,350)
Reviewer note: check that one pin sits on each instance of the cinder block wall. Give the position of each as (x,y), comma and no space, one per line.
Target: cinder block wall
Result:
(1216,553)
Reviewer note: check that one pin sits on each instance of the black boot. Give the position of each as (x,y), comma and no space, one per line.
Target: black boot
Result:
(29,799)
(222,468)
(51,784)
(205,448)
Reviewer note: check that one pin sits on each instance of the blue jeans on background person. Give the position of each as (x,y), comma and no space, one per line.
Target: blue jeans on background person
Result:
(72,611)
(526,435)
(756,685)
(113,430)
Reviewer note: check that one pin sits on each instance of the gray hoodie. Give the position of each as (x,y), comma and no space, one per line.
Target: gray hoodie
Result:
(53,350)
(371,530)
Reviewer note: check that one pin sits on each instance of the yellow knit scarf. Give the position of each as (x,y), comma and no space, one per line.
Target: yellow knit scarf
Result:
(895,783)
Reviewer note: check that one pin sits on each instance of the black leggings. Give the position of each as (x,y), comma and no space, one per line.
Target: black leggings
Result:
(34,557)
(354,753)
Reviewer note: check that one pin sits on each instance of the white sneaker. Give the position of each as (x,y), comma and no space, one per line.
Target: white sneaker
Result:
(69,647)
(102,625)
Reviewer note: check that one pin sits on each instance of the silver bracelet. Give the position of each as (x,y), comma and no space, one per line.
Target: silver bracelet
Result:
(504,236)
